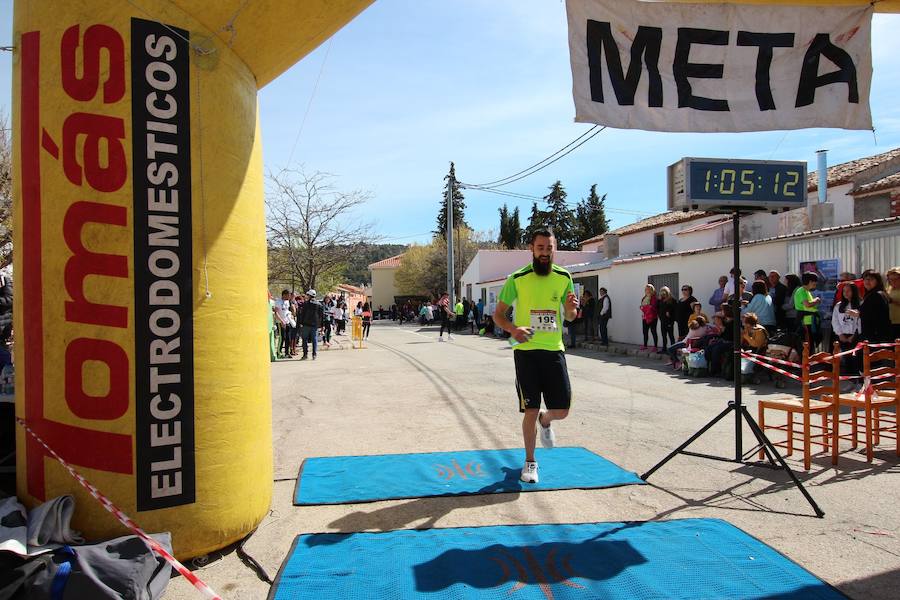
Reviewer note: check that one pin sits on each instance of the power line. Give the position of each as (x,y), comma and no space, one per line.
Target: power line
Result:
(543,164)
(404,237)
(529,197)
(311,97)
(489,183)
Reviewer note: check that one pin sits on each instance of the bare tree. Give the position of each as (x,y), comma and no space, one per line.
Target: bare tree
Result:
(6,225)
(310,228)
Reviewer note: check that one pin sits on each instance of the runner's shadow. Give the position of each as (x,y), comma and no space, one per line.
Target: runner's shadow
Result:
(542,565)
(431,510)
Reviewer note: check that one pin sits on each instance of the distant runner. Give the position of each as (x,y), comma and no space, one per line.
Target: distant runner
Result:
(539,290)
(446,313)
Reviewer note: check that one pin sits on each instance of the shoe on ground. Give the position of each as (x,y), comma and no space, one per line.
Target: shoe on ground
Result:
(642,348)
(303,358)
(529,472)
(449,338)
(440,338)
(548,436)
(314,357)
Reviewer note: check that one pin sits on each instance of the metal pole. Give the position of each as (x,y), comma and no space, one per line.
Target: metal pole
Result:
(736,314)
(450,275)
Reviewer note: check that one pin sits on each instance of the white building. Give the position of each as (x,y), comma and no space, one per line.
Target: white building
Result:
(859,246)
(486,273)
(858,225)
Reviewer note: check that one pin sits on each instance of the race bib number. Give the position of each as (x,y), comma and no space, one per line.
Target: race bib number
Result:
(543,320)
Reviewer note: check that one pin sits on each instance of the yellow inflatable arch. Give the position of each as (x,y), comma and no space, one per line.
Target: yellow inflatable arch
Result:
(140,254)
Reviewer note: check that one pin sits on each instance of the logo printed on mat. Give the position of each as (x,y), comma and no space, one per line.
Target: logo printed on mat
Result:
(472,469)
(530,571)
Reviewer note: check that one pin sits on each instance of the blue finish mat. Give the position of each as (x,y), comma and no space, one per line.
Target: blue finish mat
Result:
(345,479)
(690,558)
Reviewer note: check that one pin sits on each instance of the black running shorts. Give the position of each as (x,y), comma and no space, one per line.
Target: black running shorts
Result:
(542,373)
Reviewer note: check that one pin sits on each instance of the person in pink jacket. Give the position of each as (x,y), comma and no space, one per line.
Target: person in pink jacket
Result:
(649,315)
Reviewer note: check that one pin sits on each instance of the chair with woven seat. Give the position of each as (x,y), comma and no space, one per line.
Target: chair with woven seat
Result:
(871,407)
(820,389)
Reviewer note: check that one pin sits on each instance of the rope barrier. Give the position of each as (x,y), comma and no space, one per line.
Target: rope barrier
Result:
(125,520)
(755,359)
(772,359)
(760,360)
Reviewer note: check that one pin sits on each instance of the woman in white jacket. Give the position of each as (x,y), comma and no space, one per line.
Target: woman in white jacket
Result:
(846,324)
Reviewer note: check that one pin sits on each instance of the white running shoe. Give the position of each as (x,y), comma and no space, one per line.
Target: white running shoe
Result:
(529,472)
(449,338)
(548,437)
(440,338)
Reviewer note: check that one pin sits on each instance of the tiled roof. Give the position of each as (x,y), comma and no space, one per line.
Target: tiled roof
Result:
(666,218)
(387,263)
(802,234)
(844,172)
(891,181)
(705,226)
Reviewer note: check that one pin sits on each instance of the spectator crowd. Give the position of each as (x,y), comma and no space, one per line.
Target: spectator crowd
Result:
(777,314)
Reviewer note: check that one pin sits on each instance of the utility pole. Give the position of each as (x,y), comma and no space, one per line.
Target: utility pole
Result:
(451,279)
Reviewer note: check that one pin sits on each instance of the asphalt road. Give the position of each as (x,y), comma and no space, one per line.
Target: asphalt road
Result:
(408,393)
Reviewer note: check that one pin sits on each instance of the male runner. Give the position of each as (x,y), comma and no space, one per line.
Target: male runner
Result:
(539,290)
(446,314)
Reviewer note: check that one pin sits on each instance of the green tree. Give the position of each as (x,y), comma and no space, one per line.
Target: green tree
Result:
(423,270)
(537,220)
(515,229)
(459,206)
(357,269)
(510,231)
(561,218)
(590,216)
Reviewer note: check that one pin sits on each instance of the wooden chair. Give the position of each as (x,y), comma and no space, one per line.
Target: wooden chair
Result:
(819,397)
(867,410)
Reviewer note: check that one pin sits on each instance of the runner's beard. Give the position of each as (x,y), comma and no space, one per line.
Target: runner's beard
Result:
(541,267)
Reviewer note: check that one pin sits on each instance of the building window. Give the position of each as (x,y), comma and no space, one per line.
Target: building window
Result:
(669,280)
(659,242)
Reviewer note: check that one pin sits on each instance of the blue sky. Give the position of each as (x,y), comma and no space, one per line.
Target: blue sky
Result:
(410,85)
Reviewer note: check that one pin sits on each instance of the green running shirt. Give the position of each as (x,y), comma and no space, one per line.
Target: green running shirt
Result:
(533,292)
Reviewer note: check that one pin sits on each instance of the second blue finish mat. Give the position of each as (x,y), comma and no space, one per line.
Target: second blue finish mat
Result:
(690,558)
(345,479)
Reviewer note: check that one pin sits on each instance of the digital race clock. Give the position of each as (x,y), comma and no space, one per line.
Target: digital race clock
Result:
(719,184)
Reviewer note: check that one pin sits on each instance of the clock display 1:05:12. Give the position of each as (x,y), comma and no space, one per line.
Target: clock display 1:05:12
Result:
(748,182)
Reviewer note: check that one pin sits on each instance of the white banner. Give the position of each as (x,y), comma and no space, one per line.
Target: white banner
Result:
(719,67)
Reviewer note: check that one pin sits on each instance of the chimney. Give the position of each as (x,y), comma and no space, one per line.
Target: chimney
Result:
(822,169)
(822,213)
(611,246)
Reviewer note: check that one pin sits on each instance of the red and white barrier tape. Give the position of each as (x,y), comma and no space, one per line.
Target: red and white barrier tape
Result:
(125,520)
(772,359)
(760,360)
(755,359)
(867,386)
(853,350)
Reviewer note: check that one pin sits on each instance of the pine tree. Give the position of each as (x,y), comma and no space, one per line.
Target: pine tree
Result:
(590,215)
(459,207)
(561,218)
(537,220)
(504,226)
(515,229)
